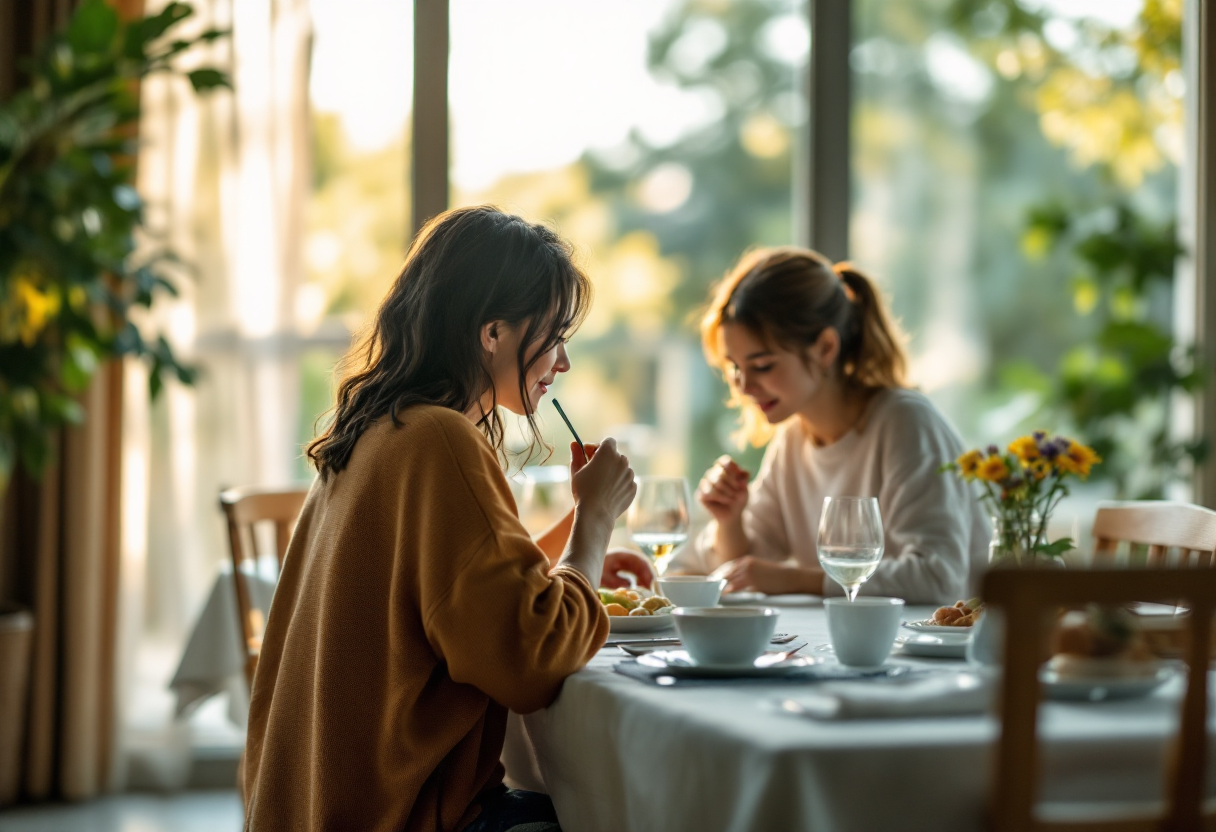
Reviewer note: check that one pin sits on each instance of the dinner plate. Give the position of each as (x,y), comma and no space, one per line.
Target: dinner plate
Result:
(1099,690)
(752,598)
(679,663)
(931,646)
(638,623)
(938,629)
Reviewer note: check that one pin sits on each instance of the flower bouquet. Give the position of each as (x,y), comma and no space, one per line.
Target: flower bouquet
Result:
(1021,488)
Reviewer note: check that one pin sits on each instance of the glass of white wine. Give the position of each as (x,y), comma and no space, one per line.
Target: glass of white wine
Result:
(658,520)
(850,541)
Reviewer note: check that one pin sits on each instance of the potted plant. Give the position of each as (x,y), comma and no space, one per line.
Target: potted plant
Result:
(71,280)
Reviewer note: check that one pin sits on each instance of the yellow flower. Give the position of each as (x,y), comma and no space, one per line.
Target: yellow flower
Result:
(1039,468)
(993,469)
(39,306)
(1078,459)
(1025,448)
(968,463)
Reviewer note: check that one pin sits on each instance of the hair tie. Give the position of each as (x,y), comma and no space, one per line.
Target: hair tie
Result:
(841,270)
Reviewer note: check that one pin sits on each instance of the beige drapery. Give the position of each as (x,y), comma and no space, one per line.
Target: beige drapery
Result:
(226,181)
(59,551)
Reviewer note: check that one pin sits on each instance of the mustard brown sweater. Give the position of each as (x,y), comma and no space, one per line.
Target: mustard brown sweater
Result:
(412,612)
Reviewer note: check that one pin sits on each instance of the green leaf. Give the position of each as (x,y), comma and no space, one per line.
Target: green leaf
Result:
(205,80)
(93,27)
(1055,549)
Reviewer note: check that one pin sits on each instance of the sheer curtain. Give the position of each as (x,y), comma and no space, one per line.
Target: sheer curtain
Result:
(225,179)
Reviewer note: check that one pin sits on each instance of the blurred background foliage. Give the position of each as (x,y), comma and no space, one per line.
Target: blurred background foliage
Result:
(75,293)
(1014,175)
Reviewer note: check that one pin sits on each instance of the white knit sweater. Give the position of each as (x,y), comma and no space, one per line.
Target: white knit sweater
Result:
(936,532)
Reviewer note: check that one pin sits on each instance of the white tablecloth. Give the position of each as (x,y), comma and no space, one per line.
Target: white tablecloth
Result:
(214,658)
(618,754)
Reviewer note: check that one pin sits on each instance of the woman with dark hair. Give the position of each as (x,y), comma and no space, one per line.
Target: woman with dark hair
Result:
(817,365)
(414,609)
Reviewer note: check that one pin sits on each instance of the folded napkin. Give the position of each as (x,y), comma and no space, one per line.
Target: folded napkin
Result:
(937,694)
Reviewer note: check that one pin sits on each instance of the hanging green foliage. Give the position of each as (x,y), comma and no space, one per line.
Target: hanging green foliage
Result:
(70,279)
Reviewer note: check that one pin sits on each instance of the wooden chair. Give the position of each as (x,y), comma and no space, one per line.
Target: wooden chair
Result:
(1161,526)
(245,509)
(1032,598)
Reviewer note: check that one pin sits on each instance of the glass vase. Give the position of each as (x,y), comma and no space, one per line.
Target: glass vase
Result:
(1013,545)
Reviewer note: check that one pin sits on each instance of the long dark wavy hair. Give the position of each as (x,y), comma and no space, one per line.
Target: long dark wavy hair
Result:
(466,268)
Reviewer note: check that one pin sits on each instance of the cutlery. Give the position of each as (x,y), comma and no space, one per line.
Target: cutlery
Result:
(770,659)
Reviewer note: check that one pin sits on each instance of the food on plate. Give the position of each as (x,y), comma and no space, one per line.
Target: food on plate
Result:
(632,602)
(1101,641)
(962,614)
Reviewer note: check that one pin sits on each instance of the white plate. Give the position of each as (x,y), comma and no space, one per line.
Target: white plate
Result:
(760,598)
(938,629)
(931,646)
(679,663)
(638,623)
(1099,690)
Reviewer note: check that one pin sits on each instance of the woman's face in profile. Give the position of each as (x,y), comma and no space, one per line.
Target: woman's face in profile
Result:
(505,370)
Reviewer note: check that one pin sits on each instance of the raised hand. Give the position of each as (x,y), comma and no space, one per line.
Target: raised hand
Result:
(723,490)
(605,483)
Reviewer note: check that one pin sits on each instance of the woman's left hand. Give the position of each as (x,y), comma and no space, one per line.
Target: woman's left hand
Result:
(625,560)
(770,578)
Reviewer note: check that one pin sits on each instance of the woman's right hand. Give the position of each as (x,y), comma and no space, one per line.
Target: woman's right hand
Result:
(723,491)
(601,478)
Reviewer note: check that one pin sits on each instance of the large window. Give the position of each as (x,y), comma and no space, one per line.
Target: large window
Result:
(1015,184)
(658,136)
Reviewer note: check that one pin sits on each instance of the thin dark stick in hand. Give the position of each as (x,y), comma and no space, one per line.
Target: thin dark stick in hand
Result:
(573,432)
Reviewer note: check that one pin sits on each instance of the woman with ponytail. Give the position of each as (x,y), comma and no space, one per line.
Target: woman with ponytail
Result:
(817,366)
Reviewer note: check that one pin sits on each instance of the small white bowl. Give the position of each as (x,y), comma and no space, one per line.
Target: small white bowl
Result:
(725,636)
(692,590)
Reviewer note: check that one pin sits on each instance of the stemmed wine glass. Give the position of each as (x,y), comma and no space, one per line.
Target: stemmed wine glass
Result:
(658,520)
(850,541)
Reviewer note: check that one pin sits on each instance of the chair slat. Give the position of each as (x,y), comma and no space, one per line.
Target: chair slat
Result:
(243,509)
(1026,596)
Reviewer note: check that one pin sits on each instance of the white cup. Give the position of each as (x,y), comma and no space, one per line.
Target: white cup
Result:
(863,630)
(692,590)
(725,636)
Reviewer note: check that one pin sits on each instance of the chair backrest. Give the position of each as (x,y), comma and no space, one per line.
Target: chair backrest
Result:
(1032,598)
(244,509)
(1158,525)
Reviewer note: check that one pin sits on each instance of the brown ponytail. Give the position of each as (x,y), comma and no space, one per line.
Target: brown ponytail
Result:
(877,356)
(789,296)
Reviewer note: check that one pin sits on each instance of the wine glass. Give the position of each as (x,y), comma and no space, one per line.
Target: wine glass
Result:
(546,496)
(658,520)
(850,541)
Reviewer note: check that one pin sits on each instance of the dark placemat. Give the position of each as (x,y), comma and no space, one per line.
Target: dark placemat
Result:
(813,673)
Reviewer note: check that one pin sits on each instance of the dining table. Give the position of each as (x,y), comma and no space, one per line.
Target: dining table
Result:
(619,752)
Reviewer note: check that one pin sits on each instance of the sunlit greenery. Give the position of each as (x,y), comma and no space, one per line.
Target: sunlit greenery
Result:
(71,284)
(1014,191)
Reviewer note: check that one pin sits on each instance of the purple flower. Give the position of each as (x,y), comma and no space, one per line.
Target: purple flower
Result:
(1039,436)
(993,450)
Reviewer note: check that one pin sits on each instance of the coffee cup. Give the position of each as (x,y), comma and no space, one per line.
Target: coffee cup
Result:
(725,636)
(863,630)
(692,590)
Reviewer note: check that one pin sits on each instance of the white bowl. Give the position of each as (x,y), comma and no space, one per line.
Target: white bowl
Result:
(692,590)
(725,636)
